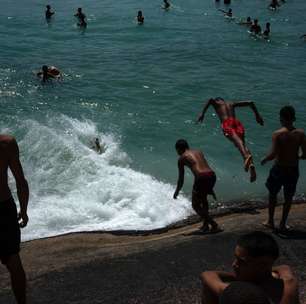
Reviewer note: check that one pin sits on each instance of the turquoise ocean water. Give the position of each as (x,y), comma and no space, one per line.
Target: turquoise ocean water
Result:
(139,89)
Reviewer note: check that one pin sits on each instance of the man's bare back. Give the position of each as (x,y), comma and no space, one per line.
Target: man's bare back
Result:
(223,109)
(287,145)
(195,160)
(226,109)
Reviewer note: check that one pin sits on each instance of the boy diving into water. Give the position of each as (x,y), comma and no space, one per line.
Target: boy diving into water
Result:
(233,128)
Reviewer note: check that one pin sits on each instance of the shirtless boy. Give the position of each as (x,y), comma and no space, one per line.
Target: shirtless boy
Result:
(9,226)
(204,182)
(286,145)
(47,73)
(49,13)
(233,128)
(255,254)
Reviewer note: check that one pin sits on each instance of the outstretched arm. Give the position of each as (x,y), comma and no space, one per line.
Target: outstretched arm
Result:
(206,106)
(180,181)
(273,151)
(250,104)
(21,182)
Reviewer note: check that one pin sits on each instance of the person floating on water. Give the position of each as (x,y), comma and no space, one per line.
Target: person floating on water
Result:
(10,220)
(228,13)
(254,257)
(49,13)
(266,32)
(204,182)
(140,17)
(255,28)
(233,128)
(286,144)
(97,146)
(274,5)
(166,5)
(48,73)
(248,22)
(81,16)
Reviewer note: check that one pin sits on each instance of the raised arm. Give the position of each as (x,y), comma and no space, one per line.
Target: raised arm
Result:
(273,152)
(250,104)
(21,182)
(180,181)
(206,106)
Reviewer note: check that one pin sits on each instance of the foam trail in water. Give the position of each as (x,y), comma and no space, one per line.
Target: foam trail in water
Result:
(75,189)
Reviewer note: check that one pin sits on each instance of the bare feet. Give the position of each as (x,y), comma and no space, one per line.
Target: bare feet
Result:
(284,228)
(269,225)
(215,229)
(252,173)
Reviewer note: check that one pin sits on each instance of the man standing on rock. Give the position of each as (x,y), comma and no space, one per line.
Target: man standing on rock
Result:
(204,182)
(10,222)
(286,144)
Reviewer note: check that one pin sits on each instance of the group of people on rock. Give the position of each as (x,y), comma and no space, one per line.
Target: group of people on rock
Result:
(254,275)
(288,147)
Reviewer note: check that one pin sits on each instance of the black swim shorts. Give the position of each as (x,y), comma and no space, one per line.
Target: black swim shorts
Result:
(204,183)
(285,177)
(9,230)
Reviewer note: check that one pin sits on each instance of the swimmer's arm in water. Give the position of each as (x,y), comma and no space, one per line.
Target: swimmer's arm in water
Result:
(273,151)
(201,116)
(250,104)
(180,181)
(290,294)
(223,11)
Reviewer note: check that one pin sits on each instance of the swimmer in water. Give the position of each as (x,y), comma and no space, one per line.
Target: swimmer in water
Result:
(227,1)
(166,5)
(140,17)
(303,36)
(255,28)
(49,13)
(227,14)
(48,73)
(81,16)
(274,4)
(248,22)
(266,32)
(97,146)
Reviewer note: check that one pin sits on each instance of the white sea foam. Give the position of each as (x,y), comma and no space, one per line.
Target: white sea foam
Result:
(73,188)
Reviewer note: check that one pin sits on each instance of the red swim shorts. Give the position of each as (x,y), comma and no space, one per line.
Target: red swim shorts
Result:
(232,126)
